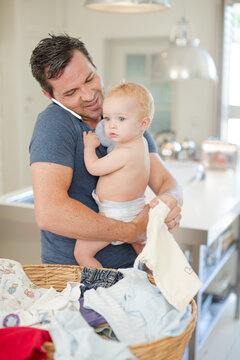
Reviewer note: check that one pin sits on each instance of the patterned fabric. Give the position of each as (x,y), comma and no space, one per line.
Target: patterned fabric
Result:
(22,304)
(15,287)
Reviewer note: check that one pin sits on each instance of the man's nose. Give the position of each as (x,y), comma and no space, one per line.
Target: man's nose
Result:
(87,94)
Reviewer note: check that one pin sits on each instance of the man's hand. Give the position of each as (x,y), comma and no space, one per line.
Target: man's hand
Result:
(174,216)
(90,140)
(140,222)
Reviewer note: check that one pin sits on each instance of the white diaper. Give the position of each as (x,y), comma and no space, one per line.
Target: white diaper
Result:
(120,210)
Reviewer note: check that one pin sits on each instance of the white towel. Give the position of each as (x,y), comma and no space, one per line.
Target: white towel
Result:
(171,271)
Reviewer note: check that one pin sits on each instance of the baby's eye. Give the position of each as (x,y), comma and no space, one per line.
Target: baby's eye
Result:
(106,118)
(121,118)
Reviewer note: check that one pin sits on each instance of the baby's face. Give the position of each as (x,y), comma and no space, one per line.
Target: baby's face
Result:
(122,118)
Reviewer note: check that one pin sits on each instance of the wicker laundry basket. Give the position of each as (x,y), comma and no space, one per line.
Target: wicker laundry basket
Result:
(57,276)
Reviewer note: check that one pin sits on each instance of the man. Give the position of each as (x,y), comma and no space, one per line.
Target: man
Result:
(62,186)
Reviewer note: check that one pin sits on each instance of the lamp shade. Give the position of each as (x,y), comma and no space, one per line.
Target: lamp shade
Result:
(184,62)
(184,58)
(127,6)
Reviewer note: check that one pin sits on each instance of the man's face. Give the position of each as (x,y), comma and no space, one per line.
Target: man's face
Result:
(80,88)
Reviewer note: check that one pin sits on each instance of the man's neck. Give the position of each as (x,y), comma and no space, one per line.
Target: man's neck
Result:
(91,122)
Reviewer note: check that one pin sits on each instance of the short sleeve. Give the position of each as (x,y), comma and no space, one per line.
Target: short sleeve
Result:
(54,138)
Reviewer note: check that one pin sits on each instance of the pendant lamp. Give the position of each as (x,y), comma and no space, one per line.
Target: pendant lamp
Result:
(127,6)
(184,58)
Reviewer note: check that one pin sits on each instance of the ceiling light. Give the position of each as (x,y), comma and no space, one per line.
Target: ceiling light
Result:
(184,58)
(127,6)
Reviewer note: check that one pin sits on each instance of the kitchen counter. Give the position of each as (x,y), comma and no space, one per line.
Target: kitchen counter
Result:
(209,206)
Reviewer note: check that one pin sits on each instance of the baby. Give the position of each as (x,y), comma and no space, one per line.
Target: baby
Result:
(124,172)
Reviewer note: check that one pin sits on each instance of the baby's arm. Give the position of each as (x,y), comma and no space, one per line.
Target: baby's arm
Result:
(105,165)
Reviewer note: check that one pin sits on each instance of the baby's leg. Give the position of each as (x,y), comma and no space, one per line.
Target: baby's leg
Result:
(85,251)
(138,247)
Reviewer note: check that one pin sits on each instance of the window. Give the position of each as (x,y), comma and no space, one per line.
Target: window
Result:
(231,73)
(138,69)
(133,59)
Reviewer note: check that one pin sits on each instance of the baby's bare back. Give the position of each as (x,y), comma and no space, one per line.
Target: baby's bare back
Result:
(130,181)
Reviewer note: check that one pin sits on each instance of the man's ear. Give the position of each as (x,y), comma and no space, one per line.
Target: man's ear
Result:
(145,124)
(46,94)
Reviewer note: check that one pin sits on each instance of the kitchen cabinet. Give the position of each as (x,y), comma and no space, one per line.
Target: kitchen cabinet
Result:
(19,232)
(211,206)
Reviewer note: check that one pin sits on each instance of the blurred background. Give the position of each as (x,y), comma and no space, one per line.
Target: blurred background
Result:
(124,47)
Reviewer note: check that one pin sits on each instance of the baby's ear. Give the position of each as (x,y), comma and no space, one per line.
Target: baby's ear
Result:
(145,124)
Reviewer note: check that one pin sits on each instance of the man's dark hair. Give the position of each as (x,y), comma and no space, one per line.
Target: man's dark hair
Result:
(52,55)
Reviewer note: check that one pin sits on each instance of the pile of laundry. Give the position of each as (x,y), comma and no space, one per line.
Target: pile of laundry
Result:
(122,306)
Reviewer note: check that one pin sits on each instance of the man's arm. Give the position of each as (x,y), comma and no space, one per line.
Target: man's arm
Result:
(56,212)
(167,189)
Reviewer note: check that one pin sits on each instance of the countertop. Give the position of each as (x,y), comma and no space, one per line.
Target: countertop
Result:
(210,205)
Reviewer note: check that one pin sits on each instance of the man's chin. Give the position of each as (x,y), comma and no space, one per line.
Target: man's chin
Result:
(93,114)
(92,117)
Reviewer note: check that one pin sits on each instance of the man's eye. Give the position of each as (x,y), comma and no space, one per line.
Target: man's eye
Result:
(70,93)
(90,78)
(121,118)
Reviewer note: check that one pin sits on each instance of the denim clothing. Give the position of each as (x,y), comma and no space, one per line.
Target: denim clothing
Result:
(94,278)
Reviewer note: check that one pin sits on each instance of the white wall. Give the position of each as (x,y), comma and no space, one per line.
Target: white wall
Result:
(24,22)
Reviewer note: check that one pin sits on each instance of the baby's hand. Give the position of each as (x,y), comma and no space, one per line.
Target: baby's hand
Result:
(90,140)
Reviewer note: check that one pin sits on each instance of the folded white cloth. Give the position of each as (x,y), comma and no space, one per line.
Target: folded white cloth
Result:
(74,339)
(162,255)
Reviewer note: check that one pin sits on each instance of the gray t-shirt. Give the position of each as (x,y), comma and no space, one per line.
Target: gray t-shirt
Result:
(57,138)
